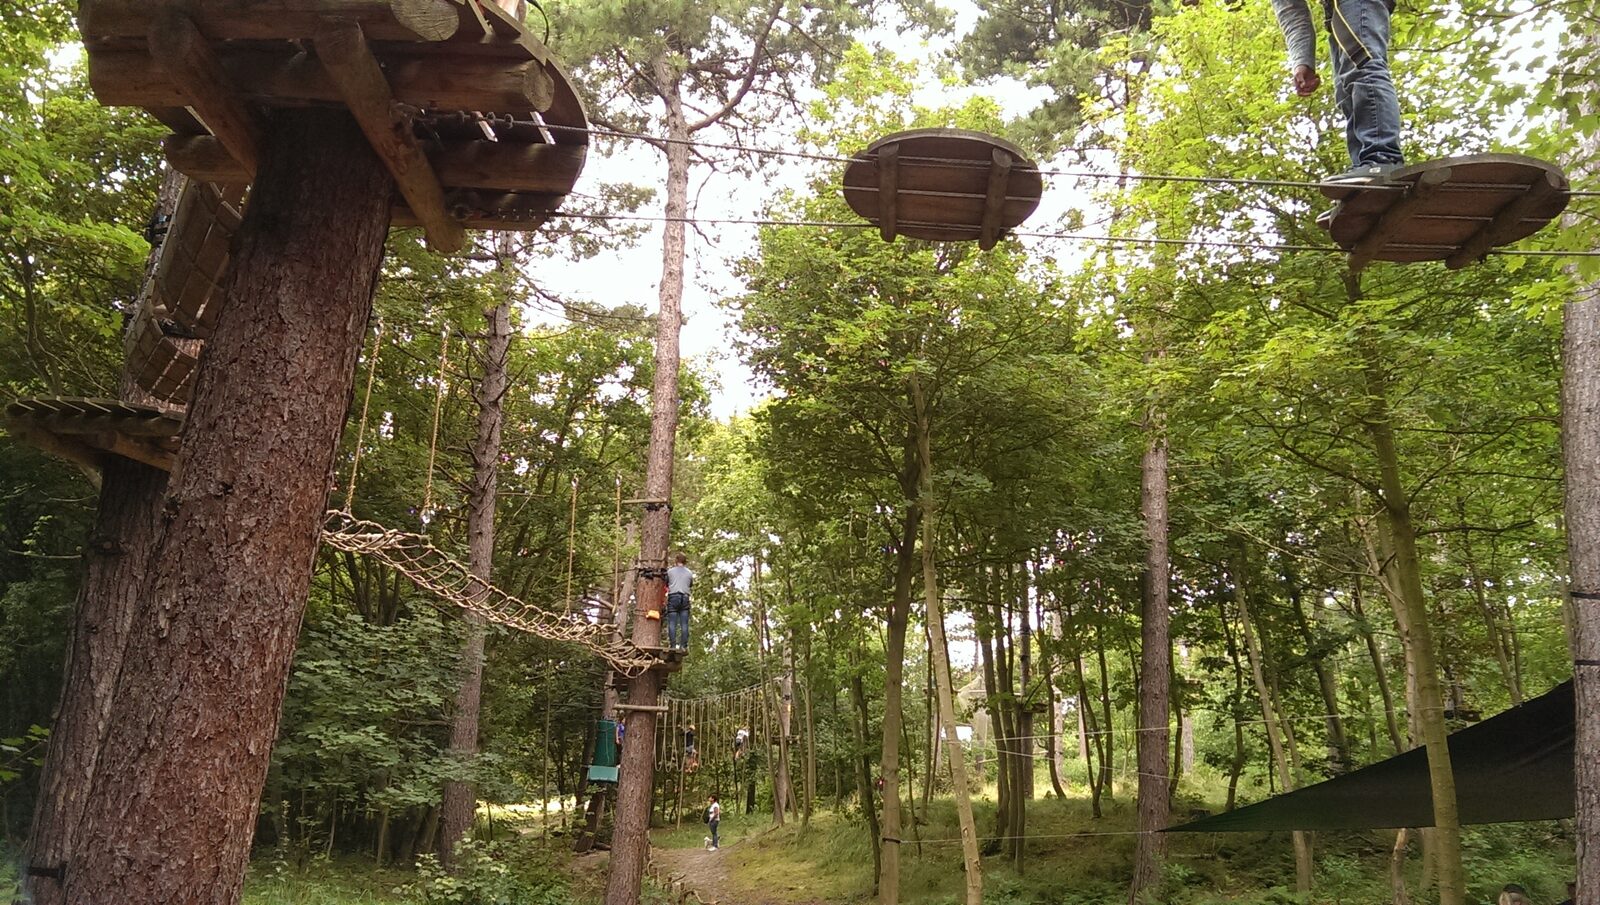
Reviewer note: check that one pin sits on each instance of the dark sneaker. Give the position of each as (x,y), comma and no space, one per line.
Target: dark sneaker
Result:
(1363,175)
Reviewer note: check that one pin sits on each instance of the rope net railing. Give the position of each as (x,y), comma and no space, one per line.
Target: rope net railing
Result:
(434,571)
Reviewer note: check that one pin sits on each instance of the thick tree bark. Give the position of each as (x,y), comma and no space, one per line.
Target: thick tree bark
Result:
(630,838)
(1155,675)
(194,715)
(126,530)
(458,809)
(1411,613)
(1580,448)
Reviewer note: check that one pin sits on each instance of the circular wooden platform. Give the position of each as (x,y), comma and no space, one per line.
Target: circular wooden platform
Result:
(947,185)
(478,123)
(85,429)
(1454,209)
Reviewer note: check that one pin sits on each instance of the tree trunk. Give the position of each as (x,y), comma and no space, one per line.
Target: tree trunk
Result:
(1339,759)
(126,530)
(1271,718)
(197,707)
(1378,669)
(940,651)
(1580,448)
(869,807)
(630,837)
(459,806)
(1155,674)
(1411,613)
(893,690)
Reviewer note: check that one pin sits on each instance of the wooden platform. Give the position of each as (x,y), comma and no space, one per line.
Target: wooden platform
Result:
(85,429)
(947,185)
(1454,209)
(472,115)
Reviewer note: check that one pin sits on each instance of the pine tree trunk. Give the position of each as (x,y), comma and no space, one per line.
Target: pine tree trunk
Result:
(1580,447)
(458,809)
(126,530)
(1155,674)
(893,693)
(197,706)
(630,837)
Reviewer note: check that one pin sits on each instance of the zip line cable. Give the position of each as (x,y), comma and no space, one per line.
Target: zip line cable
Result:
(914,161)
(1070,236)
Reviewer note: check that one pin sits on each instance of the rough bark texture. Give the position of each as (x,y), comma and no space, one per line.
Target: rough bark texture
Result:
(196,709)
(458,809)
(1155,677)
(126,530)
(1580,446)
(631,835)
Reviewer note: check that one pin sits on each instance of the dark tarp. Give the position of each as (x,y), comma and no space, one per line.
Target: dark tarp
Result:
(1513,766)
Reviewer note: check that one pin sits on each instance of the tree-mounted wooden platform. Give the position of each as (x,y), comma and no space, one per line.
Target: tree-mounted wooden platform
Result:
(947,185)
(471,114)
(1454,209)
(84,430)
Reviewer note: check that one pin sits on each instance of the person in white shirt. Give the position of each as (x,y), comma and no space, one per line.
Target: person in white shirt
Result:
(679,581)
(713,818)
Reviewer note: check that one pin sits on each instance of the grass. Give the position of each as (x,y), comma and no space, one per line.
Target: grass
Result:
(348,881)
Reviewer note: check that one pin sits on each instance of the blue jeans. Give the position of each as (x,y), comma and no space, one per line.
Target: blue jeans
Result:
(678,621)
(714,824)
(1358,43)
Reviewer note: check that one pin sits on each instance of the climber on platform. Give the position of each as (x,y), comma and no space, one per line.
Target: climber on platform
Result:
(1358,46)
(679,581)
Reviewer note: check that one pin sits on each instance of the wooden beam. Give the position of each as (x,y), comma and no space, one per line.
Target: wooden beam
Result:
(343,50)
(888,192)
(1395,217)
(85,457)
(287,78)
(266,20)
(994,202)
(186,54)
(495,166)
(1505,222)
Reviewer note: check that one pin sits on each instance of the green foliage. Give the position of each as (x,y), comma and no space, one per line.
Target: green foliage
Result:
(490,875)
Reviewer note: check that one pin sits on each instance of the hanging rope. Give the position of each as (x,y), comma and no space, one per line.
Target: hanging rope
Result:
(429,568)
(366,404)
(433,442)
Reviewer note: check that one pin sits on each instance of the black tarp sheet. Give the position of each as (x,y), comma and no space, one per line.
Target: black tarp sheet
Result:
(1514,766)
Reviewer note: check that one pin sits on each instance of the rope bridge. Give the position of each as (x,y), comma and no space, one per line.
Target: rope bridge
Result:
(431,569)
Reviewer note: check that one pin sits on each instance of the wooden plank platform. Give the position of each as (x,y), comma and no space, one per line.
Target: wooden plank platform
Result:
(1454,209)
(947,185)
(84,429)
(457,97)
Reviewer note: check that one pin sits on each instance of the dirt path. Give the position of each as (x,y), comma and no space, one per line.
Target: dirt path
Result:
(710,875)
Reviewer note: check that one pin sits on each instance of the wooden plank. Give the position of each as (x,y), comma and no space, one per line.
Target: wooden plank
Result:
(178,46)
(1507,223)
(343,50)
(888,192)
(994,204)
(287,77)
(1397,217)
(502,166)
(283,20)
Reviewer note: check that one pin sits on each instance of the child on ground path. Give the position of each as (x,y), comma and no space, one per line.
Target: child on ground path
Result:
(713,817)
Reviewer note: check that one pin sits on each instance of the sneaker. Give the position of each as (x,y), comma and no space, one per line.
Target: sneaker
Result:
(1362,175)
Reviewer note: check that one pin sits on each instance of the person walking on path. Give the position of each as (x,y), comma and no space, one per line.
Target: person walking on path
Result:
(713,818)
(679,581)
(1358,45)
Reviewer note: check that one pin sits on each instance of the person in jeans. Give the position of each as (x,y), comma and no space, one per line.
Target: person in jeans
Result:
(713,818)
(1358,44)
(679,581)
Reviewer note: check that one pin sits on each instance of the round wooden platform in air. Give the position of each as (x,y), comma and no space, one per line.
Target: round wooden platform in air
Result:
(947,185)
(1454,209)
(84,429)
(474,118)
